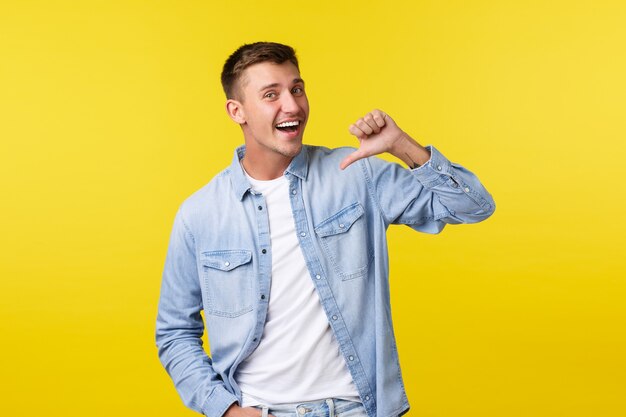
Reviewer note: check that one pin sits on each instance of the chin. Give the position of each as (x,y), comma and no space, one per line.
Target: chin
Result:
(291,150)
(294,151)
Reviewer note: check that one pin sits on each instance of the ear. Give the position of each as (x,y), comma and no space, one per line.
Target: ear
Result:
(234,109)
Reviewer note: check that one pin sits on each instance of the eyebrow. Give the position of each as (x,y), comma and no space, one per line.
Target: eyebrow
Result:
(295,81)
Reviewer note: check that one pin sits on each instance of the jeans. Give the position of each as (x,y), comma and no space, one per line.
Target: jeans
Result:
(326,408)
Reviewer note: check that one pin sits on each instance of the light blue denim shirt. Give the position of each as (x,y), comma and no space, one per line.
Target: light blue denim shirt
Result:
(219,260)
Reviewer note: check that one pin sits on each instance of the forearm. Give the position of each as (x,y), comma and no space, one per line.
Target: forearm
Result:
(179,329)
(457,189)
(430,196)
(410,152)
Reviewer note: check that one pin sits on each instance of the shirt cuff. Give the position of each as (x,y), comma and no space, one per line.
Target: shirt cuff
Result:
(218,402)
(435,171)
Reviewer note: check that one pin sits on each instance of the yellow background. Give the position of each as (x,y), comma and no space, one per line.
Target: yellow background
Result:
(111,113)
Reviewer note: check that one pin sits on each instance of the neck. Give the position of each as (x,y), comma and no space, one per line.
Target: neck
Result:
(265,169)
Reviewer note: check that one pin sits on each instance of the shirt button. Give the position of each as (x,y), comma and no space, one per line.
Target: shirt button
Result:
(351,357)
(439,168)
(255,339)
(367,398)
(302,234)
(318,276)
(341,225)
(294,192)
(335,317)
(466,189)
(226,263)
(262,296)
(260,208)
(301,410)
(264,251)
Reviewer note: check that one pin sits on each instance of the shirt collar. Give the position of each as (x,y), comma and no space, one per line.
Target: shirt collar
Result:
(238,179)
(299,167)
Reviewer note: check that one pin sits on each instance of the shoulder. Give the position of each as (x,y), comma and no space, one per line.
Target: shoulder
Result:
(214,191)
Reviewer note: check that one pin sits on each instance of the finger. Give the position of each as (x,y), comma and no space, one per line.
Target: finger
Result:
(369,119)
(361,124)
(388,120)
(353,157)
(354,130)
(379,118)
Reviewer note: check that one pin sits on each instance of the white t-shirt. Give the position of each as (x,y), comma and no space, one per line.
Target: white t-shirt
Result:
(298,357)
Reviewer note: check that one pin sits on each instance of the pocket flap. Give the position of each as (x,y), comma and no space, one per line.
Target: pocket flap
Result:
(226,260)
(340,222)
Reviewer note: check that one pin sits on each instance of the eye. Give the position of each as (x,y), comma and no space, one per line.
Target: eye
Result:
(270,94)
(297,90)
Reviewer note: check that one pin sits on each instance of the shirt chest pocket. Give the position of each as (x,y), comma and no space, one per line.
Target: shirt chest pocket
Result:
(227,277)
(345,241)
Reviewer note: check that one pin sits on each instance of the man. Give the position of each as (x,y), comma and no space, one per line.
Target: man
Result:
(285,252)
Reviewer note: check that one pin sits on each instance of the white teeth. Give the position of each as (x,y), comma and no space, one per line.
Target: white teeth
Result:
(287,124)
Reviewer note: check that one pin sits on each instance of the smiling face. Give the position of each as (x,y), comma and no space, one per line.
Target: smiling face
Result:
(272,110)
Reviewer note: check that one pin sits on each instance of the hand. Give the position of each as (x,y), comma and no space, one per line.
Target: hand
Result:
(235,411)
(378,133)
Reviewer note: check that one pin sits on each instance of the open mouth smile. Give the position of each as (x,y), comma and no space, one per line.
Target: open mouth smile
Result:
(288,127)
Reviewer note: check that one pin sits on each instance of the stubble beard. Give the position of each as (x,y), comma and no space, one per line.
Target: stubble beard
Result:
(288,149)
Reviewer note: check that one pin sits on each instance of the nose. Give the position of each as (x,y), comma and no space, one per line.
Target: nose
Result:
(289,104)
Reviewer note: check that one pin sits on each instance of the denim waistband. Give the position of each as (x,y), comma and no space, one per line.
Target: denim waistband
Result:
(324,408)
